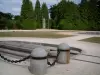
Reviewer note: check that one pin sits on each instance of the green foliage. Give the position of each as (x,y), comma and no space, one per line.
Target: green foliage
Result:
(38,14)
(29,24)
(9,24)
(27,9)
(53,15)
(27,15)
(67,15)
(98,15)
(72,15)
(6,21)
(84,10)
(58,11)
(52,24)
(2,23)
(17,22)
(70,25)
(89,14)
(44,11)
(93,14)
(64,15)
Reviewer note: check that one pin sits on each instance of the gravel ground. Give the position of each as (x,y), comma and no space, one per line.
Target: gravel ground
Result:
(83,64)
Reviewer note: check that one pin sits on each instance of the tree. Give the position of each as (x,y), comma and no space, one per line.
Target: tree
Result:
(29,24)
(27,9)
(93,14)
(66,15)
(58,12)
(84,12)
(71,18)
(38,13)
(17,22)
(61,11)
(27,15)
(89,14)
(53,15)
(6,20)
(98,15)
(45,13)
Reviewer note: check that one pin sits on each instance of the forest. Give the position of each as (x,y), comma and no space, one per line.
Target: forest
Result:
(65,15)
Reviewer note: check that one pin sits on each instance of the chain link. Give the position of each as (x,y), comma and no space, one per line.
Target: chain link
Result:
(14,61)
(52,64)
(25,58)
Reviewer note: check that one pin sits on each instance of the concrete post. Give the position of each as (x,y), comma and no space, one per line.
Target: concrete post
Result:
(64,56)
(38,61)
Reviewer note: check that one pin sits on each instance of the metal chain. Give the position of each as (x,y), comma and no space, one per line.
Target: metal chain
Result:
(25,58)
(52,64)
(14,61)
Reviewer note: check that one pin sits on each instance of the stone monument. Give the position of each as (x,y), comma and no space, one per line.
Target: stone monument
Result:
(44,23)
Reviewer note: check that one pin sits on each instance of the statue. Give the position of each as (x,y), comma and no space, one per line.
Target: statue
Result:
(44,23)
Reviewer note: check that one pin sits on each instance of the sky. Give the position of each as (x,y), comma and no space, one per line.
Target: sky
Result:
(14,6)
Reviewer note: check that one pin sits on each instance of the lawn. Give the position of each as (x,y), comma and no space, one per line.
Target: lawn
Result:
(40,34)
(93,40)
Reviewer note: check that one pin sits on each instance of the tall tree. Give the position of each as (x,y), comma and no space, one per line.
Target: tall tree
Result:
(93,12)
(66,15)
(61,9)
(38,13)
(27,9)
(27,15)
(71,18)
(53,15)
(45,14)
(84,12)
(58,12)
(89,13)
(98,15)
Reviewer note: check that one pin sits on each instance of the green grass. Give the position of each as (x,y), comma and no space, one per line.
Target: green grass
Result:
(93,40)
(33,34)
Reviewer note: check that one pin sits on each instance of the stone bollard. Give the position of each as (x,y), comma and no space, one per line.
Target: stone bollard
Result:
(38,61)
(64,56)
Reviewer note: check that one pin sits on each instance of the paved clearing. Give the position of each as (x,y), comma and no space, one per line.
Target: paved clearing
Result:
(87,63)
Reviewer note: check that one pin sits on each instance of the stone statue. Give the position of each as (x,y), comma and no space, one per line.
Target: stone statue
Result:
(44,23)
